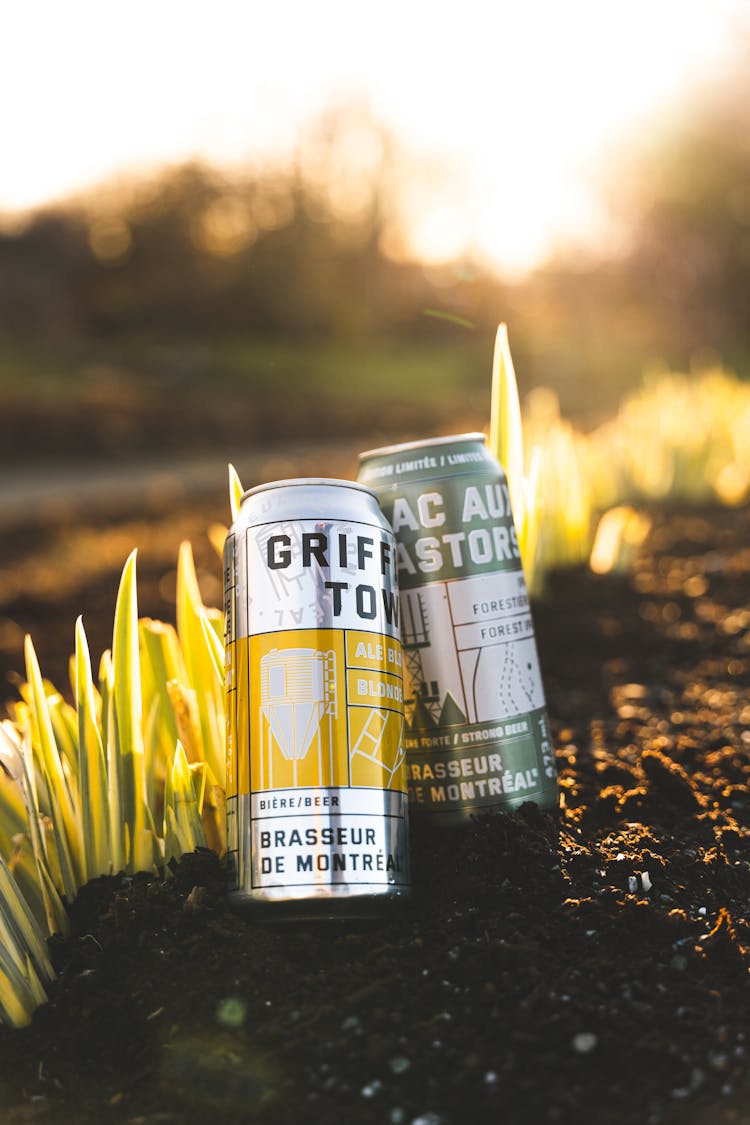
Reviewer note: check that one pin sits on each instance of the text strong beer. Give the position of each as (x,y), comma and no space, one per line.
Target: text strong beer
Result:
(477,735)
(316,780)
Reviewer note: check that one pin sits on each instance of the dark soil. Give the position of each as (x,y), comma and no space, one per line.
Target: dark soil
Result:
(591,968)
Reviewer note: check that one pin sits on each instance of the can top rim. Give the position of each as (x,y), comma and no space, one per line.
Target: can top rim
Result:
(316,482)
(422,443)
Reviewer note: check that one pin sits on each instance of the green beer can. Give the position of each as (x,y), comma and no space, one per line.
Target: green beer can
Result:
(477,735)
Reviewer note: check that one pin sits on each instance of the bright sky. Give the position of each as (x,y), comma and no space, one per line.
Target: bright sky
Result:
(508,101)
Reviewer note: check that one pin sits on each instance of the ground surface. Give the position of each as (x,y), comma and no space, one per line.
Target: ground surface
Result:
(586,969)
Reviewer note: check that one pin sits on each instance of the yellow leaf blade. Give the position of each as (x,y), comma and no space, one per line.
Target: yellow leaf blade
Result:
(506,432)
(92,769)
(128,718)
(61,809)
(236,492)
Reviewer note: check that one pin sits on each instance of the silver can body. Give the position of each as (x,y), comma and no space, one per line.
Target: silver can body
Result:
(316,777)
(477,735)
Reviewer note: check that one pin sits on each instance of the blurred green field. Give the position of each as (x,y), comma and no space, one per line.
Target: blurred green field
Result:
(137,396)
(364,371)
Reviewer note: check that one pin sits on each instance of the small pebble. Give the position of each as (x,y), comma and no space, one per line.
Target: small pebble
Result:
(399,1064)
(491,1078)
(428,1118)
(195,899)
(397,1116)
(584,1042)
(231,1012)
(372,1088)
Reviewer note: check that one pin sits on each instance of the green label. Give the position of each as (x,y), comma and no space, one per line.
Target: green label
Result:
(451,528)
(476,732)
(480,765)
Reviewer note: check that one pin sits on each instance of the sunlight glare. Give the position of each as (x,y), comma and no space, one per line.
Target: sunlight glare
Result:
(519,100)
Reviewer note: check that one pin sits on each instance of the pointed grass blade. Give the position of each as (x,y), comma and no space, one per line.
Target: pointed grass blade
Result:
(61,807)
(161,662)
(128,720)
(45,854)
(92,768)
(114,765)
(199,650)
(183,831)
(236,492)
(529,532)
(506,433)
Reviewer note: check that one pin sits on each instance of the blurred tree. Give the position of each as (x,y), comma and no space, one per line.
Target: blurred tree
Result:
(297,251)
(42,266)
(685,196)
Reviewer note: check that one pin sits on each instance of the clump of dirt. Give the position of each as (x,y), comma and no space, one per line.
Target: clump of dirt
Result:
(588,967)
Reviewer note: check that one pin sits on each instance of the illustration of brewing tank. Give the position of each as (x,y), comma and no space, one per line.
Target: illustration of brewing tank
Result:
(415,637)
(298,702)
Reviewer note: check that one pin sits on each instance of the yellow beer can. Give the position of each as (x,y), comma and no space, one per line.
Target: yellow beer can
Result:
(316,772)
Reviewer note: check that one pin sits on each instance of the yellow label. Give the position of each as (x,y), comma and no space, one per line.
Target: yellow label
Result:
(326,713)
(230,673)
(242,740)
(368,689)
(371,650)
(377,756)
